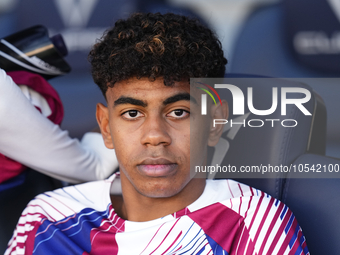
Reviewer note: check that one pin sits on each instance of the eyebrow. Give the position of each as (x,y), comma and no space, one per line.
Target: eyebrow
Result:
(170,100)
(179,97)
(130,100)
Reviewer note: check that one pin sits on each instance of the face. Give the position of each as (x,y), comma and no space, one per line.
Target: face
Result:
(148,125)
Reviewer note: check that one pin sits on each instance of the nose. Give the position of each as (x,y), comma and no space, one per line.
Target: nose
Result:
(155,132)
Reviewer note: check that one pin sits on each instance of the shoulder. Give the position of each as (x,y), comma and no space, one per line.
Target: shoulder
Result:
(260,222)
(245,200)
(258,210)
(58,204)
(61,208)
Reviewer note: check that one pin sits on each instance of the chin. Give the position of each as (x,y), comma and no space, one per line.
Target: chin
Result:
(160,190)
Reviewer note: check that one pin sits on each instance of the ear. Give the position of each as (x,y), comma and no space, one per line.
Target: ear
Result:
(102,115)
(217,112)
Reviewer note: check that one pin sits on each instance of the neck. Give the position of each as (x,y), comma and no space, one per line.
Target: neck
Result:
(134,206)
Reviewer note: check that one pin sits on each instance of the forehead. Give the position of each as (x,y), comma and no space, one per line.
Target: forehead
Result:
(145,89)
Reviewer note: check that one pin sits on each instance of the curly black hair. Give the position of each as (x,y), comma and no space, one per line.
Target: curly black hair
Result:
(153,45)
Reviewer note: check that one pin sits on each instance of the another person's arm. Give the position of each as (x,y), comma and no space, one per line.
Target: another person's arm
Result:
(31,139)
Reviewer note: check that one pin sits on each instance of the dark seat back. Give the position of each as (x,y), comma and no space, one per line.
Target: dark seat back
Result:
(315,203)
(299,38)
(275,30)
(274,143)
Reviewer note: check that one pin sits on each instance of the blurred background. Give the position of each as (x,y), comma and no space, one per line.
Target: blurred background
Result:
(287,38)
(274,38)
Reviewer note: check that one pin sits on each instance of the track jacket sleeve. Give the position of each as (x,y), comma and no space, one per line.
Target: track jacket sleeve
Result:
(31,139)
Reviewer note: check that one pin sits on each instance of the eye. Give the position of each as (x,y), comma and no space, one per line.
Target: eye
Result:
(132,114)
(178,114)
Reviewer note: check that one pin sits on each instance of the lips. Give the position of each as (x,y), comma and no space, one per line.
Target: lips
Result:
(157,167)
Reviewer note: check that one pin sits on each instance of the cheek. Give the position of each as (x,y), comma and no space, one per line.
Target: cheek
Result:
(199,134)
(180,139)
(122,141)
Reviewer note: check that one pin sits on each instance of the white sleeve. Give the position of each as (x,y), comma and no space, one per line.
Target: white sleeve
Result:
(31,139)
